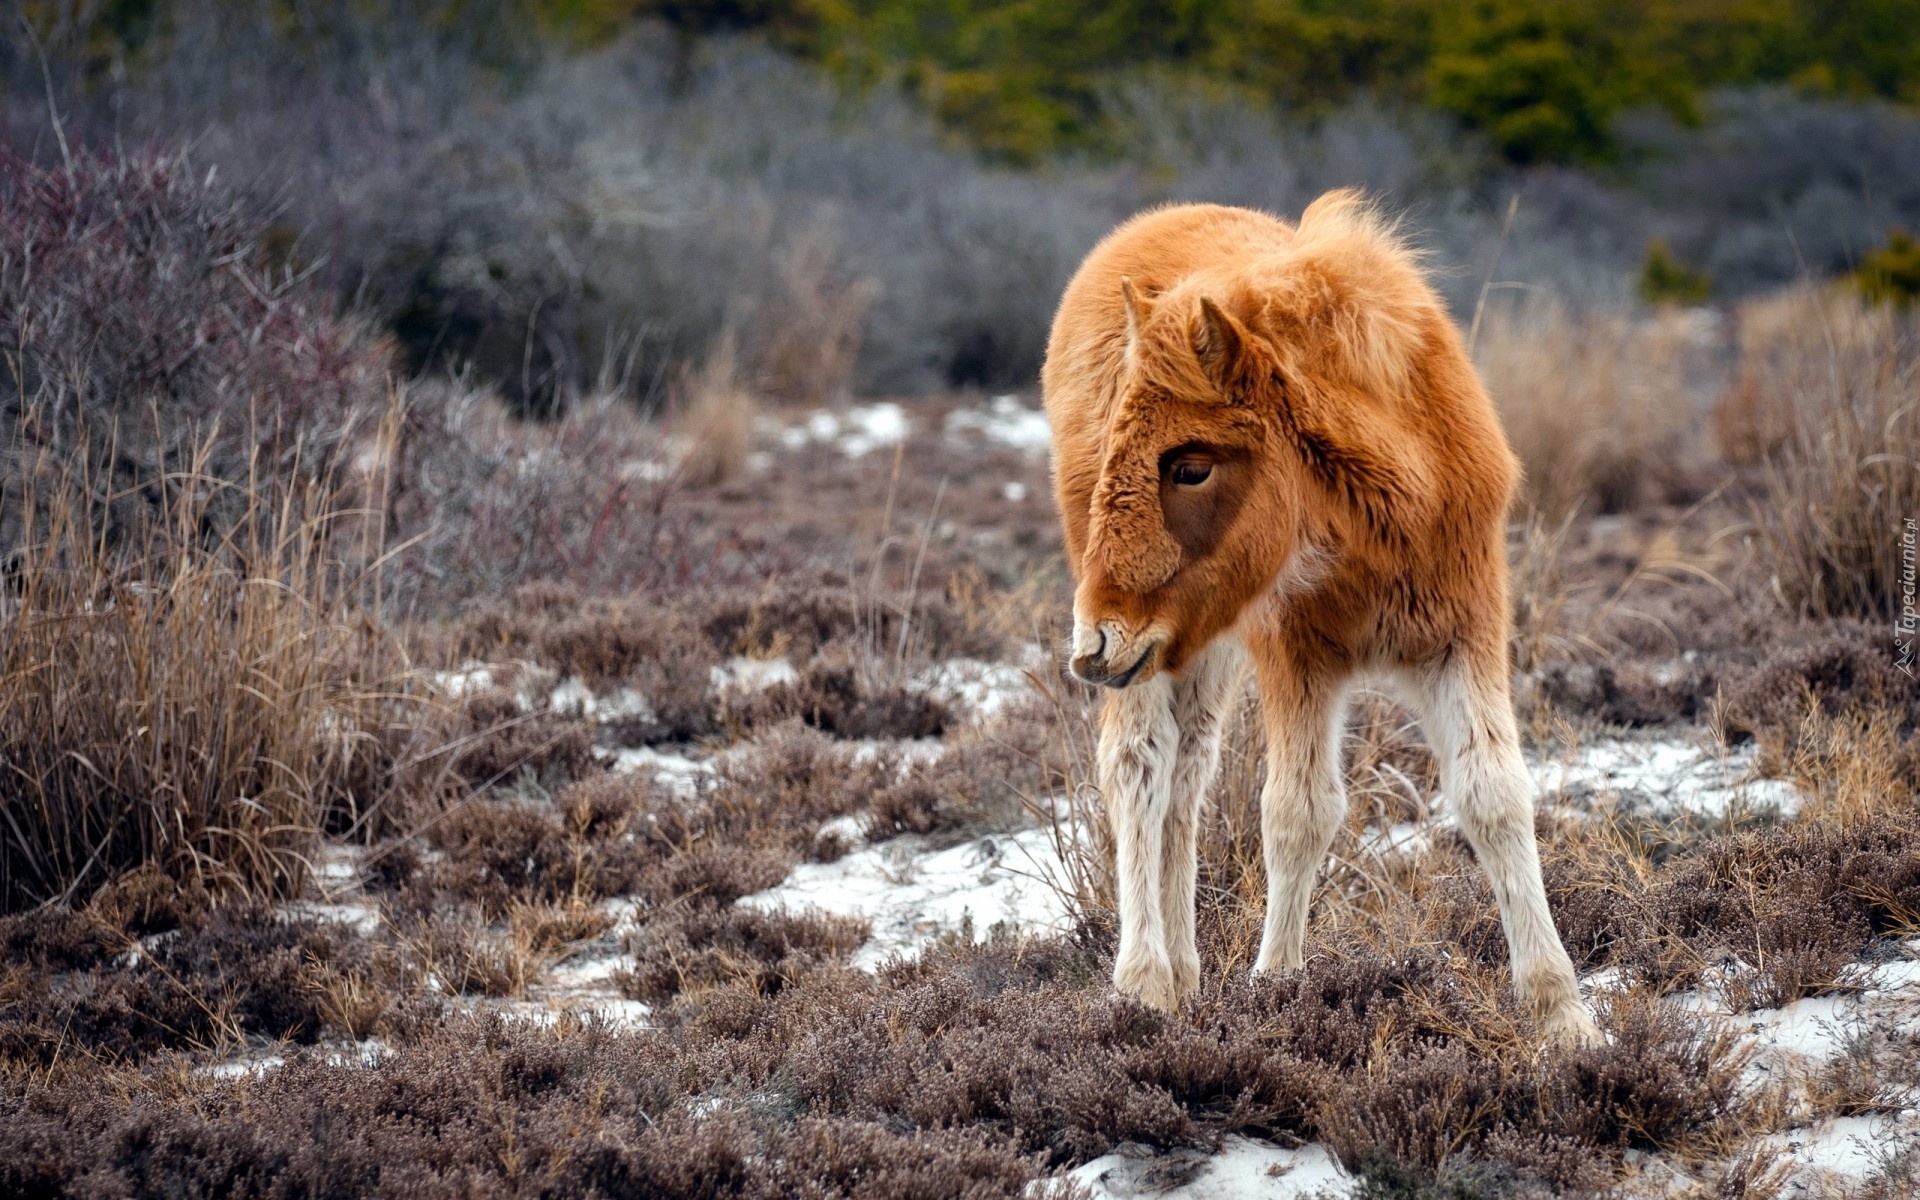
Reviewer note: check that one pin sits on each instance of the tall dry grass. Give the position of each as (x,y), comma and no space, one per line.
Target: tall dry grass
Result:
(205,690)
(1827,400)
(1602,408)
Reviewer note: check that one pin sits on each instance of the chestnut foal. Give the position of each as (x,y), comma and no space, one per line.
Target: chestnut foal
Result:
(1272,451)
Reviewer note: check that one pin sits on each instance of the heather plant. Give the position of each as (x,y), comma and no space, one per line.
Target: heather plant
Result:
(148,338)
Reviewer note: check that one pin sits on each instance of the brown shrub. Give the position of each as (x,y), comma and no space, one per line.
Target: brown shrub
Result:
(206,697)
(787,784)
(799,621)
(1790,907)
(596,840)
(147,334)
(985,776)
(505,743)
(223,975)
(481,1106)
(841,693)
(655,648)
(1844,669)
(463,953)
(713,419)
(1593,405)
(696,949)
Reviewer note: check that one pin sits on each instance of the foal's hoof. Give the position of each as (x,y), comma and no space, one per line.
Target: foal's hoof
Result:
(1569,1025)
(1148,981)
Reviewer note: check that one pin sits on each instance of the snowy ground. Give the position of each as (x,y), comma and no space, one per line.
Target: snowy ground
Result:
(1665,778)
(914,894)
(1242,1170)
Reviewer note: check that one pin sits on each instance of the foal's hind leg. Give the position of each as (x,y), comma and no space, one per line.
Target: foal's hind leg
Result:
(1468,718)
(1138,745)
(1204,697)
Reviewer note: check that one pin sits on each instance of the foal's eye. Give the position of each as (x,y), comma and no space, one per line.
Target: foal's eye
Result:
(1192,472)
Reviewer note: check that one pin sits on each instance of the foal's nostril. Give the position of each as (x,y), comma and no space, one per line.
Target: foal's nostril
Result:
(1087,658)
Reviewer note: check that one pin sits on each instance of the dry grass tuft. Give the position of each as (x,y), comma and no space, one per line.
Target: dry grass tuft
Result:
(716,424)
(200,693)
(1836,420)
(1596,406)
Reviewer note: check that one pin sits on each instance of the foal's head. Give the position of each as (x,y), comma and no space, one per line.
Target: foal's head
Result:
(1260,405)
(1197,504)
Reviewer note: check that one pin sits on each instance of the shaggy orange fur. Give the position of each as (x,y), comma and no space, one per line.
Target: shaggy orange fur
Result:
(1270,437)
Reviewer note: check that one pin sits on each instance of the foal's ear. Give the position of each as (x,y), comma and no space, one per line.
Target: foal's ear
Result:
(1136,311)
(1220,342)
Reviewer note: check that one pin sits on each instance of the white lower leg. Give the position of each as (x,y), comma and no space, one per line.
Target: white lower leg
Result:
(1483,774)
(1301,808)
(1204,698)
(1138,742)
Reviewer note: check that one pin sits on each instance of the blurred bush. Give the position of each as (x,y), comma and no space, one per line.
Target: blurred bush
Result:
(1891,274)
(1664,279)
(572,221)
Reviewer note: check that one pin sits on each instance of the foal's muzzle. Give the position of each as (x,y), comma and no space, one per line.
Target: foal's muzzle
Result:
(1103,658)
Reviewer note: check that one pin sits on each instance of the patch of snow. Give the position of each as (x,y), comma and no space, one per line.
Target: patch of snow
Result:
(742,674)
(616,1011)
(903,751)
(1842,1151)
(678,773)
(646,470)
(1666,778)
(573,697)
(1241,1168)
(570,696)
(914,894)
(337,866)
(368,1053)
(981,688)
(585,986)
(1006,421)
(1815,1028)
(858,431)
(362,918)
(1602,982)
(576,975)
(235,1068)
(1014,491)
(467,681)
(850,829)
(1407,837)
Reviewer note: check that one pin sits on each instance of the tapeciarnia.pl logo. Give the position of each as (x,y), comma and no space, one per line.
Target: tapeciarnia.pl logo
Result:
(1907,620)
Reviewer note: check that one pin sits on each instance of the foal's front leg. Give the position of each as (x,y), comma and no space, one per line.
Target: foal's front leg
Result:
(1204,697)
(1304,800)
(1139,742)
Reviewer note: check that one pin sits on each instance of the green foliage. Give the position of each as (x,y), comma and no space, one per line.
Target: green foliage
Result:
(1022,79)
(1664,279)
(1891,274)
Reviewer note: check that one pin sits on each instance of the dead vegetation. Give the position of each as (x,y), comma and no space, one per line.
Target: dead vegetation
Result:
(215,711)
